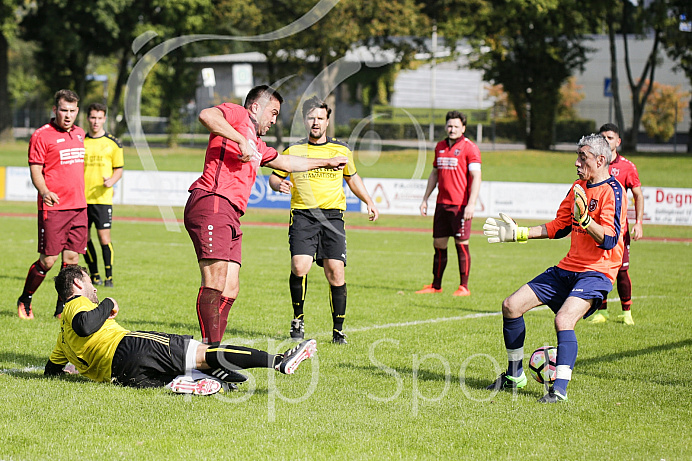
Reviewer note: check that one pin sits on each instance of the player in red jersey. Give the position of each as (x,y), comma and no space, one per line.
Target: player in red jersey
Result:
(457,174)
(624,171)
(594,212)
(219,197)
(56,164)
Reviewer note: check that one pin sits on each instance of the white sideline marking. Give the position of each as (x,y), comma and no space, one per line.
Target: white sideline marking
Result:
(22,370)
(414,323)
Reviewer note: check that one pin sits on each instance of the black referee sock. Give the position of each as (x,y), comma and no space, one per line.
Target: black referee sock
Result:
(107,251)
(91,259)
(298,287)
(337,298)
(233,358)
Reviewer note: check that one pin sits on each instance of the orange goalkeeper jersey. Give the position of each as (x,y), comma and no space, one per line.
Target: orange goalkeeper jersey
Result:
(607,204)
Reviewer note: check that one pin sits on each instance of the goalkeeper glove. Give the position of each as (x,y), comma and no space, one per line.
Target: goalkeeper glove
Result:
(505,230)
(581,214)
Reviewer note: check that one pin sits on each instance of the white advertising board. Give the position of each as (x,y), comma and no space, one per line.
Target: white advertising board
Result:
(662,205)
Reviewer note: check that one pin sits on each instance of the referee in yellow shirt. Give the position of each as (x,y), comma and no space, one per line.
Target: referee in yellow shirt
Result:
(316,231)
(103,167)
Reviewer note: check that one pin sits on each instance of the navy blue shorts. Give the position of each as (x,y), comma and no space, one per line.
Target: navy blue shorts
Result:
(555,285)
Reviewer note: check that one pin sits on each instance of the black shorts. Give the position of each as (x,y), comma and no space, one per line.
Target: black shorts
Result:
(318,233)
(149,359)
(100,215)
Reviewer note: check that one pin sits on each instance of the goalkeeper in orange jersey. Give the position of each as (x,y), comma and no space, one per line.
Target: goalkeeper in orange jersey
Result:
(594,212)
(102,350)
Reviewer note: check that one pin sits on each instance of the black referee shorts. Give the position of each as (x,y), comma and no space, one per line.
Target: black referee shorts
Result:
(149,359)
(318,233)
(100,216)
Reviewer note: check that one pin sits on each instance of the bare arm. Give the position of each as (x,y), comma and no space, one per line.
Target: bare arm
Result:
(49,198)
(292,163)
(355,183)
(637,229)
(117,174)
(473,194)
(278,184)
(432,183)
(214,121)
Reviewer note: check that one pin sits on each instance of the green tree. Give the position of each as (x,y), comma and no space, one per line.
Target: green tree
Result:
(664,111)
(641,19)
(8,27)
(316,50)
(531,48)
(677,40)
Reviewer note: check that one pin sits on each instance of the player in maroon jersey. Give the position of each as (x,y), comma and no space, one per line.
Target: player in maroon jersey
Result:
(219,197)
(56,164)
(626,173)
(457,174)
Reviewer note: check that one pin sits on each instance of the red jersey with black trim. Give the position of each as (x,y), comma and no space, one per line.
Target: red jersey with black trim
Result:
(62,155)
(452,163)
(607,206)
(625,171)
(224,174)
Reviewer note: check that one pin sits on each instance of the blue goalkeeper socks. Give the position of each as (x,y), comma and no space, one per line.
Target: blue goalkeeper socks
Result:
(567,349)
(514,332)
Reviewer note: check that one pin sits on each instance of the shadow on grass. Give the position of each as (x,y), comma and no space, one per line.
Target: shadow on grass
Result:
(187,328)
(423,375)
(636,352)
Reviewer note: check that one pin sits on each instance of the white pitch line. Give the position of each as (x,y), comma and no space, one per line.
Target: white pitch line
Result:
(414,323)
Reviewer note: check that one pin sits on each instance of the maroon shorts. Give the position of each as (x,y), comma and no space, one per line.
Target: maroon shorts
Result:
(214,226)
(60,230)
(626,254)
(449,222)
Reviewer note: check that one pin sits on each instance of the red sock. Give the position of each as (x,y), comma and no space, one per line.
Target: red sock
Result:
(37,272)
(224,310)
(208,304)
(624,284)
(464,264)
(439,264)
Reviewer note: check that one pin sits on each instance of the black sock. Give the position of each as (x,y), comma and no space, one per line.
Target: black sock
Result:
(234,358)
(91,259)
(107,251)
(298,287)
(337,299)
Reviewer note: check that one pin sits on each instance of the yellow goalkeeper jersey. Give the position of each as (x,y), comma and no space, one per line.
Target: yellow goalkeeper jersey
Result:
(92,355)
(101,156)
(321,188)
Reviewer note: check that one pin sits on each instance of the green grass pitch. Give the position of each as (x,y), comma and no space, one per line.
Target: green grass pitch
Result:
(410,383)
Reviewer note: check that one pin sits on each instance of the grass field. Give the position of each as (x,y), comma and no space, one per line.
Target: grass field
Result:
(410,383)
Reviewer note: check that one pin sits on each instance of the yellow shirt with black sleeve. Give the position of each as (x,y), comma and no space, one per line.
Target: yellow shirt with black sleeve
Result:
(101,156)
(88,338)
(321,188)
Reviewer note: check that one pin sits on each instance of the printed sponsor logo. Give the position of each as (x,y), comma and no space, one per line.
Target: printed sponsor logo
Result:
(72,155)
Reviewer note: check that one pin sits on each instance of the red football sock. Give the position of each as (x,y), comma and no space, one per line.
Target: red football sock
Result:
(208,307)
(224,310)
(439,265)
(464,264)
(37,272)
(624,284)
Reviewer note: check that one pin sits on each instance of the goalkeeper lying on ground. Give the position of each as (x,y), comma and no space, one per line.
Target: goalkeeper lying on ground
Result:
(594,212)
(102,350)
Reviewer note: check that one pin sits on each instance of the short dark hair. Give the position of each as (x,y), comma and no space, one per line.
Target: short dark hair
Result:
(456,114)
(64,281)
(315,103)
(65,95)
(260,91)
(98,107)
(609,127)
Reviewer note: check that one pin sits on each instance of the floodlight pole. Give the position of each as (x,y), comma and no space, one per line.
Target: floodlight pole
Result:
(432,83)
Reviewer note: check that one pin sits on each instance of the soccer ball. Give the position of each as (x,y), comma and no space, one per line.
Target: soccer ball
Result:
(537,365)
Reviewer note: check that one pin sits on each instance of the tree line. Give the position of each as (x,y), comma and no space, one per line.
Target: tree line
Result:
(530,47)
